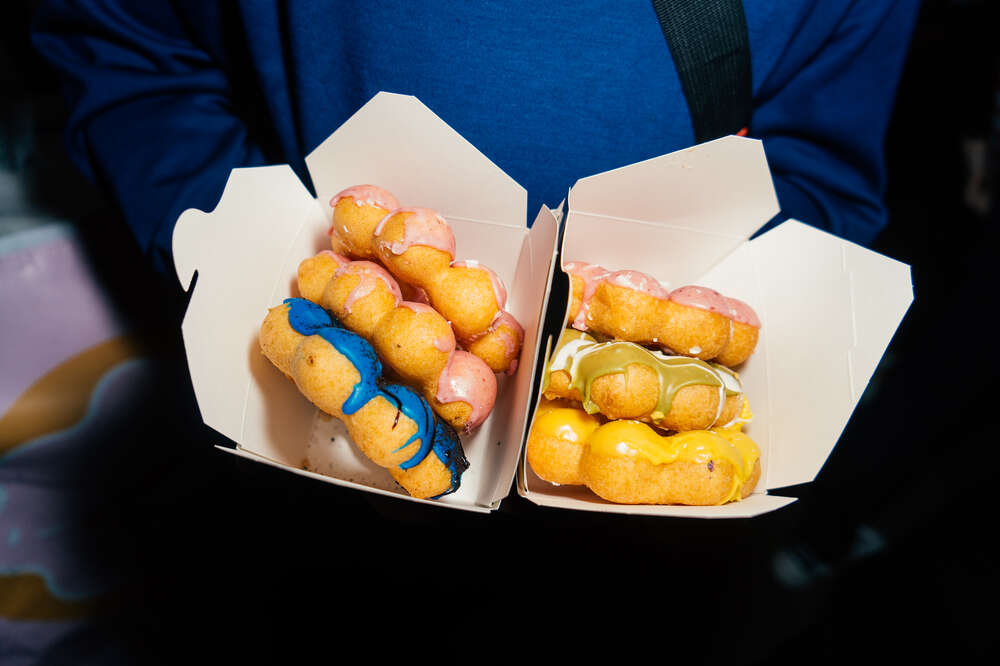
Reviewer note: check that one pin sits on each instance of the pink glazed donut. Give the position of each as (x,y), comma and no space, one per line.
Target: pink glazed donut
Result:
(412,339)
(417,246)
(692,320)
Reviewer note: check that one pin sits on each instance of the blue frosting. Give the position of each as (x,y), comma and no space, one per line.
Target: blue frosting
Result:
(306,317)
(434,433)
(420,413)
(363,358)
(449,451)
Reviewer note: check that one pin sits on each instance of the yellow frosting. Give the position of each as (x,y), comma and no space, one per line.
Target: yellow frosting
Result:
(566,423)
(634,438)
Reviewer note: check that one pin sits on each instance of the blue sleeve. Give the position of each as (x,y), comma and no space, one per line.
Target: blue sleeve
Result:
(151,114)
(824,110)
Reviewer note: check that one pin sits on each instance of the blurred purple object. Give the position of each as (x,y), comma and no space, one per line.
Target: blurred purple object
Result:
(53,309)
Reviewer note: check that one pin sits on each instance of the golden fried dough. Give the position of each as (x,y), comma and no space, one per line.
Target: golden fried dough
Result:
(390,424)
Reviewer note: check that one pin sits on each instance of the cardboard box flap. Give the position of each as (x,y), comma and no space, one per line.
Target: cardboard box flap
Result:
(581,499)
(695,206)
(829,309)
(398,143)
(881,292)
(532,285)
(265,203)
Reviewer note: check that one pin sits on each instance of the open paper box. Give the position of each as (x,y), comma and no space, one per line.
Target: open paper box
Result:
(247,251)
(828,307)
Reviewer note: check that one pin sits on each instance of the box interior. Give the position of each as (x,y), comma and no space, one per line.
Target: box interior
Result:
(246,253)
(829,307)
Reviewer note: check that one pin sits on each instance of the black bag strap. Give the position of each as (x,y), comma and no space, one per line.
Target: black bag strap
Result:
(709,44)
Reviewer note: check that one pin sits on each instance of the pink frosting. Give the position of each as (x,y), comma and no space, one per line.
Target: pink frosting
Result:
(743,313)
(691,295)
(511,340)
(468,379)
(416,307)
(445,344)
(339,258)
(701,297)
(584,270)
(637,281)
(499,290)
(423,227)
(591,274)
(420,296)
(370,195)
(369,275)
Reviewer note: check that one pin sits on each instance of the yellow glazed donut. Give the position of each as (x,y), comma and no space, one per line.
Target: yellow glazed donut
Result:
(623,380)
(689,321)
(412,339)
(418,247)
(557,439)
(628,462)
(340,373)
(633,356)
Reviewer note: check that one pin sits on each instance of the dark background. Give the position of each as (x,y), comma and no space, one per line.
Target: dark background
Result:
(886,555)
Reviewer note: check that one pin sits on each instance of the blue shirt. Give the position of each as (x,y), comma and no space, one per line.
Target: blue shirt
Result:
(166,98)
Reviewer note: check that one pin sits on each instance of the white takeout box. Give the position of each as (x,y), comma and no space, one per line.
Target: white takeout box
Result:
(828,307)
(246,253)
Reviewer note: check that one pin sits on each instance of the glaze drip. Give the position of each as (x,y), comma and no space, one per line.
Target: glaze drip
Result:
(308,318)
(415,407)
(585,359)
(703,298)
(449,451)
